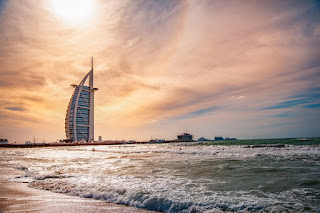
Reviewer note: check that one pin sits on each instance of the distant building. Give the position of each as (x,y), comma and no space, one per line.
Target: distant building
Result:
(218,138)
(185,137)
(157,140)
(79,123)
(4,141)
(202,139)
(230,139)
(66,141)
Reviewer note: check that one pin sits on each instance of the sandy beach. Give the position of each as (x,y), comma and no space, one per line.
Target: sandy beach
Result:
(18,197)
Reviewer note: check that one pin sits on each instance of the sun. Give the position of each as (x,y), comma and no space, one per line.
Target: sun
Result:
(72,11)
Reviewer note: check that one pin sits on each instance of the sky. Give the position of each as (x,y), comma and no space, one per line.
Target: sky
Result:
(244,69)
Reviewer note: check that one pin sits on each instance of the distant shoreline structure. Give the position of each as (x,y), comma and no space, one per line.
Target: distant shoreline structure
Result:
(82,144)
(247,143)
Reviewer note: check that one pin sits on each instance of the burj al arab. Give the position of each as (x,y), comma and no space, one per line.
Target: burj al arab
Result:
(79,122)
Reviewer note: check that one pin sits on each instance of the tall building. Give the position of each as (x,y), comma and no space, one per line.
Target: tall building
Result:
(79,123)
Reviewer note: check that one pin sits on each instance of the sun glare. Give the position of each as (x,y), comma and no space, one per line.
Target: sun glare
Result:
(72,11)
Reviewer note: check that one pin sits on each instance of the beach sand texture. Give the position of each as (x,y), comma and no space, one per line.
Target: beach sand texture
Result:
(18,197)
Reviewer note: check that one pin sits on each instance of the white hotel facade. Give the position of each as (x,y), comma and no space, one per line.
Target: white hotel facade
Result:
(79,122)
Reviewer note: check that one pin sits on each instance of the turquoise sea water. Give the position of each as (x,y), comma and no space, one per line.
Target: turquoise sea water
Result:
(181,177)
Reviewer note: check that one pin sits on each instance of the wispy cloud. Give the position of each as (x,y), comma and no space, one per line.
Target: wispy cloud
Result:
(196,113)
(279,124)
(312,106)
(304,100)
(15,108)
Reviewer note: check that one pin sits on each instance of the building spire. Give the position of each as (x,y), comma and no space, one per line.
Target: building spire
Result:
(91,63)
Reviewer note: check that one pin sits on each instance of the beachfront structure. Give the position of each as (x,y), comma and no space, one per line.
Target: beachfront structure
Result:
(79,122)
(203,139)
(185,137)
(4,141)
(218,138)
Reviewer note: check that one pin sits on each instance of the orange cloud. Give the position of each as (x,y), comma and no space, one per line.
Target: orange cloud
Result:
(161,67)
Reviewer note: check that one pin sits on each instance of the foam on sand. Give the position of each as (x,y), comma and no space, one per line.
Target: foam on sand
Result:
(18,197)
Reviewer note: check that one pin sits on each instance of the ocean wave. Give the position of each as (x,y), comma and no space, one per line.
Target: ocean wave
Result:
(139,199)
(23,168)
(52,176)
(22,179)
(239,201)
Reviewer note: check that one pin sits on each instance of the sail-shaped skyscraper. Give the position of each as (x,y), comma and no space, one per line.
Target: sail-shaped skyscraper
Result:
(79,122)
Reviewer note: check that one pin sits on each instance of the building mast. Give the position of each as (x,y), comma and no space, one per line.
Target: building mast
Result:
(91,116)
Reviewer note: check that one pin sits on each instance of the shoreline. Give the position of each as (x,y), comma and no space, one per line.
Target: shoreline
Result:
(80,144)
(18,197)
(255,143)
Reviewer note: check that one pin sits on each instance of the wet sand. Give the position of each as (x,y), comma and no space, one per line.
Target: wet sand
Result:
(18,197)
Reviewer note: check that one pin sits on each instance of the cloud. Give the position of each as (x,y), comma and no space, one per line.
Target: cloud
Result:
(312,106)
(290,103)
(15,108)
(3,5)
(279,124)
(177,63)
(195,113)
(304,99)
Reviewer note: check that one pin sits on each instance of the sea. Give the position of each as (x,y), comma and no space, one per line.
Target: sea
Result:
(177,177)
